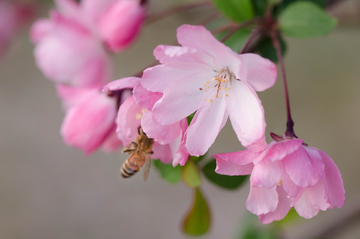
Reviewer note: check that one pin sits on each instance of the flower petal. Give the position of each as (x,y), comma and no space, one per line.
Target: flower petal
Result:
(128,121)
(163,134)
(246,115)
(162,152)
(262,200)
(228,168)
(305,208)
(145,98)
(261,72)
(278,150)
(123,83)
(290,187)
(206,42)
(158,78)
(282,208)
(266,174)
(205,126)
(333,182)
(179,100)
(304,166)
(240,157)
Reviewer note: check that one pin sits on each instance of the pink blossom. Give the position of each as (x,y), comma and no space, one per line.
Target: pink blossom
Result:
(89,123)
(121,23)
(68,49)
(13,15)
(168,146)
(286,174)
(205,76)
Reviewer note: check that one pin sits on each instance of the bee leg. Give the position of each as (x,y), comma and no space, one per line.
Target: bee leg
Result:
(152,152)
(133,143)
(139,130)
(127,150)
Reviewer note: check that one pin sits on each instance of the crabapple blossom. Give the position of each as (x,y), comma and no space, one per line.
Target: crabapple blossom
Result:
(168,145)
(287,173)
(90,119)
(13,15)
(205,76)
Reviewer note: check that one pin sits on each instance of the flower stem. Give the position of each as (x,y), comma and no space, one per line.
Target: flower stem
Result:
(290,122)
(238,27)
(173,10)
(255,32)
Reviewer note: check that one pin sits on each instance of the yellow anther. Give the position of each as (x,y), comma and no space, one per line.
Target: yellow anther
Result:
(226,94)
(143,111)
(210,100)
(205,99)
(205,90)
(138,116)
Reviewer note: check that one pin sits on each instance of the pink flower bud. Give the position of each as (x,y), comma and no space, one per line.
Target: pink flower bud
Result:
(121,23)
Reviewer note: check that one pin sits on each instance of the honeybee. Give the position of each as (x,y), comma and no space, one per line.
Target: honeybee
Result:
(140,156)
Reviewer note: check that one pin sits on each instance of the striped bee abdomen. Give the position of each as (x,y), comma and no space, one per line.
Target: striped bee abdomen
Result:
(128,169)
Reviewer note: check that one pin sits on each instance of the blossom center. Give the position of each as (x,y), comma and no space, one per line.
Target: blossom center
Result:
(218,87)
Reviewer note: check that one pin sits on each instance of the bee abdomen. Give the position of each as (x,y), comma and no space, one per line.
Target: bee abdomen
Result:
(128,170)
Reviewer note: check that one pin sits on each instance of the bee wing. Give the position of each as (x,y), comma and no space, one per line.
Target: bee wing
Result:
(146,167)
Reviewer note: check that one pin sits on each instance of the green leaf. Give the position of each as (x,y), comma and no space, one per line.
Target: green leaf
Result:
(290,218)
(190,117)
(259,7)
(267,50)
(251,230)
(320,3)
(198,219)
(169,173)
(224,181)
(238,39)
(190,174)
(237,10)
(305,19)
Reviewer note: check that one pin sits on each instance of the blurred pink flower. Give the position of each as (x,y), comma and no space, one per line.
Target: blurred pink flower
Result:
(121,23)
(13,15)
(89,123)
(205,76)
(168,138)
(286,173)
(68,49)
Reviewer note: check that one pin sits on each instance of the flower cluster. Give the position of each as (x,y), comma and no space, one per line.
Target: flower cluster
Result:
(201,79)
(72,50)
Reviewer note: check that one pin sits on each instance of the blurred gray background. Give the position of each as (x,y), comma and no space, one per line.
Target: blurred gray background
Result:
(49,190)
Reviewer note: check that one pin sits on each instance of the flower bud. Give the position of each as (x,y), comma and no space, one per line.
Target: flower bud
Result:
(121,23)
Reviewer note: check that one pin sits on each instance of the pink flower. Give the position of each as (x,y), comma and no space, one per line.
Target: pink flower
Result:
(68,49)
(205,76)
(13,15)
(168,139)
(121,23)
(286,173)
(90,119)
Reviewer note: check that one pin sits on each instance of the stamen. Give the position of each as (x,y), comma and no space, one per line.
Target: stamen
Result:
(210,100)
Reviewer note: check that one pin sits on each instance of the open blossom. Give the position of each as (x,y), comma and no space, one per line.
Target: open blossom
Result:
(13,15)
(205,76)
(168,139)
(89,123)
(286,174)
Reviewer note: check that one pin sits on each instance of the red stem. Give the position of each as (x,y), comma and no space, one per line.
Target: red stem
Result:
(250,39)
(290,122)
